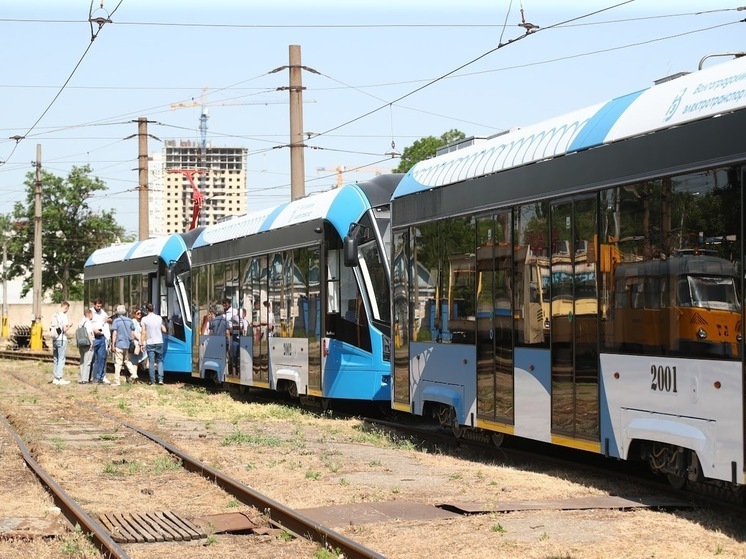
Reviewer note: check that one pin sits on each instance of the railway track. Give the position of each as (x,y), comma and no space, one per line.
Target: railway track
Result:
(436,441)
(514,452)
(68,435)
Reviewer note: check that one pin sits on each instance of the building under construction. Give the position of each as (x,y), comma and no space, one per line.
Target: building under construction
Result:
(193,185)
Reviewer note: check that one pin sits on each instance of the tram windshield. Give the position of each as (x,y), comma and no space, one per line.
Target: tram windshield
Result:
(376,281)
(711,292)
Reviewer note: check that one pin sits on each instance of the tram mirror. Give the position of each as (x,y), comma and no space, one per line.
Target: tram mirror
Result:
(169,277)
(350,251)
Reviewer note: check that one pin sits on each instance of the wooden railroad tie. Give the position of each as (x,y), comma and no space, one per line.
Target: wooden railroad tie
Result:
(150,527)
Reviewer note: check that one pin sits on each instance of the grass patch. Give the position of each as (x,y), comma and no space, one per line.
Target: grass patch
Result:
(58,444)
(77,544)
(165,464)
(241,438)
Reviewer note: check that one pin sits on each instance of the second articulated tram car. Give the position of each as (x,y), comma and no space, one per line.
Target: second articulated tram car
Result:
(155,270)
(580,281)
(291,311)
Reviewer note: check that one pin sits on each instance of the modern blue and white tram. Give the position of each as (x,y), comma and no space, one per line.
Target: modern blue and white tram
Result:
(515,310)
(281,308)
(155,270)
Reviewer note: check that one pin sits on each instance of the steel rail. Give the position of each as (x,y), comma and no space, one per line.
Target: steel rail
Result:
(278,514)
(70,509)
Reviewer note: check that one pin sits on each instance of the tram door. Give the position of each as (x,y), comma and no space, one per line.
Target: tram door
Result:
(494,318)
(574,324)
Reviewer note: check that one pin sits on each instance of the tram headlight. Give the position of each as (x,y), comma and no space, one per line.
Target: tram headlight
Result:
(739,338)
(701,334)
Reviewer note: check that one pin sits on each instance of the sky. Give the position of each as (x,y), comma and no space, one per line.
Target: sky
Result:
(378,76)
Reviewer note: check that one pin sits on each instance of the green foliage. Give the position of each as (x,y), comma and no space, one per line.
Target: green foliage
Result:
(328,553)
(240,438)
(163,464)
(71,231)
(285,536)
(425,148)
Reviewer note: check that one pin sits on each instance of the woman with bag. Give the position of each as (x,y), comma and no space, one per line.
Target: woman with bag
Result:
(84,334)
(138,357)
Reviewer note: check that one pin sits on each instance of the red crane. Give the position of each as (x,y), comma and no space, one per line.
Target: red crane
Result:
(197,197)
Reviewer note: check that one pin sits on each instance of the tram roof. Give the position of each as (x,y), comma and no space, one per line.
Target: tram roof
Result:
(699,95)
(135,257)
(339,206)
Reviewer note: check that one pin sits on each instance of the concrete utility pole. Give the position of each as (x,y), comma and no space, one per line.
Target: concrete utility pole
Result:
(36,329)
(297,164)
(4,333)
(142,166)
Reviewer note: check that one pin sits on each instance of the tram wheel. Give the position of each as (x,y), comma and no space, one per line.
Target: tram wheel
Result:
(326,404)
(458,431)
(497,438)
(677,481)
(293,390)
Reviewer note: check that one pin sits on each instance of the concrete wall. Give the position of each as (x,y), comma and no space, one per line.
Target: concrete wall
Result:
(22,315)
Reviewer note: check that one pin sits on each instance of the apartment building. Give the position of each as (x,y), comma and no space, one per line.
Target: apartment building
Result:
(218,172)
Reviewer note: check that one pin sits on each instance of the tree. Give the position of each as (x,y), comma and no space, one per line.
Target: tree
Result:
(71,231)
(425,148)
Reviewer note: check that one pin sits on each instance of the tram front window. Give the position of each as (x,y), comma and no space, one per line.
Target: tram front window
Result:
(710,292)
(374,272)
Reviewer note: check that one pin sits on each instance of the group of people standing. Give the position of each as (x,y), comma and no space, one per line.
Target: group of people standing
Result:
(134,341)
(224,319)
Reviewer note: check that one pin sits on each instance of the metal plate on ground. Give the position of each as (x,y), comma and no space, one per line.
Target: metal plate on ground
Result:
(233,522)
(13,528)
(150,527)
(365,513)
(581,503)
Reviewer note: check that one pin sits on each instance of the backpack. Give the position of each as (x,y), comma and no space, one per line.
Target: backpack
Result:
(54,329)
(81,337)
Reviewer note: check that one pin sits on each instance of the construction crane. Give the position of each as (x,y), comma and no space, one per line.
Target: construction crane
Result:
(204,114)
(198,199)
(340,170)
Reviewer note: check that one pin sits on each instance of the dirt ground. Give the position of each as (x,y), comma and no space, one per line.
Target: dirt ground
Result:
(306,461)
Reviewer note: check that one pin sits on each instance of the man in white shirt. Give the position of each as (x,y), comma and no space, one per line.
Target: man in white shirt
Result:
(153,329)
(100,323)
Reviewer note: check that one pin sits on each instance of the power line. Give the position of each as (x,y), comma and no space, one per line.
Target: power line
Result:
(324,26)
(529,32)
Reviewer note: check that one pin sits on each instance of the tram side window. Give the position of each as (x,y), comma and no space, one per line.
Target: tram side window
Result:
(660,236)
(684,296)
(653,294)
(635,289)
(458,239)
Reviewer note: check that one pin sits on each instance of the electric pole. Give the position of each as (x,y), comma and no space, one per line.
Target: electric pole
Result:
(142,166)
(36,340)
(297,165)
(37,236)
